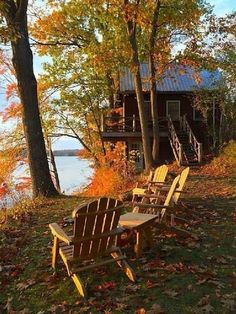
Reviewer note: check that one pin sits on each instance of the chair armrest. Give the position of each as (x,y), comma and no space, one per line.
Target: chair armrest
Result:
(139,191)
(156,182)
(151,205)
(60,234)
(179,191)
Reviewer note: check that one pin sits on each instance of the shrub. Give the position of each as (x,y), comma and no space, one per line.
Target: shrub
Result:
(225,163)
(114,175)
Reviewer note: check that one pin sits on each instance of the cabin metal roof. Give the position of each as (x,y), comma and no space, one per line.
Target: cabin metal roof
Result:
(177,79)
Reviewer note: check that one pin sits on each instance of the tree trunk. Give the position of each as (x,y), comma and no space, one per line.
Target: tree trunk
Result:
(23,64)
(154,112)
(153,92)
(143,120)
(53,163)
(131,28)
(110,87)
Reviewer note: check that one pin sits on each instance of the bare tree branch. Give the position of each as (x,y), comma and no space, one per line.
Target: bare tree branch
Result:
(55,43)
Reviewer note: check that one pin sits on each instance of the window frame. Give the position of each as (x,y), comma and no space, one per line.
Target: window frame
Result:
(167,107)
(194,115)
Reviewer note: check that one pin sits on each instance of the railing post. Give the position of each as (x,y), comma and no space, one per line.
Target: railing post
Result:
(134,123)
(180,154)
(200,152)
(123,123)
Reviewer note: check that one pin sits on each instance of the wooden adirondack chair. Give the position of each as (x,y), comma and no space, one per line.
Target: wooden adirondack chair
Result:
(143,217)
(173,194)
(158,209)
(180,189)
(157,181)
(155,198)
(94,239)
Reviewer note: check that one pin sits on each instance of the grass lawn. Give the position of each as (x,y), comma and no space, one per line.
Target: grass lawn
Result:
(178,275)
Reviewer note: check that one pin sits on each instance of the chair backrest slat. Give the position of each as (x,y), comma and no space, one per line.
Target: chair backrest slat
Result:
(102,217)
(79,227)
(103,206)
(108,224)
(170,195)
(171,191)
(88,228)
(98,228)
(183,177)
(160,174)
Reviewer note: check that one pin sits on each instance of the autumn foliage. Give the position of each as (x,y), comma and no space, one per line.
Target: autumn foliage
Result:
(224,164)
(114,175)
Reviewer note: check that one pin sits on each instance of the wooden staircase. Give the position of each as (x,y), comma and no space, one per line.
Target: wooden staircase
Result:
(187,150)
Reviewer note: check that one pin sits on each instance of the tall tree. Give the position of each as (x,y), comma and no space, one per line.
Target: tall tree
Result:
(153,91)
(131,21)
(14,17)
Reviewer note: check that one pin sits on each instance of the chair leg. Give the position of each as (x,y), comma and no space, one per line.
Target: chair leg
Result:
(138,248)
(79,285)
(55,252)
(125,266)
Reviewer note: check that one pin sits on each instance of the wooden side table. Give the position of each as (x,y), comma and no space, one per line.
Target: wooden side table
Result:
(140,224)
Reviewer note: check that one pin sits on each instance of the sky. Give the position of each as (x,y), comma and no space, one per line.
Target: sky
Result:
(221,7)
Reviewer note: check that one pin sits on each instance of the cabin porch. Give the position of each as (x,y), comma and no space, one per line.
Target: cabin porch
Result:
(186,148)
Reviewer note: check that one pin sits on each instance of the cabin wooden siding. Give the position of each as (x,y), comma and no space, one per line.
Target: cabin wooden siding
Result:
(186,100)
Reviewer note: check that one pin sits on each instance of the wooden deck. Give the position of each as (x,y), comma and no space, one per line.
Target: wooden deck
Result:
(123,128)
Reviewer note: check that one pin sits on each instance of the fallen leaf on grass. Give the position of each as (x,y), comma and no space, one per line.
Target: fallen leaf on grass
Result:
(204,301)
(151,284)
(207,309)
(106,286)
(58,308)
(154,264)
(229,302)
(10,309)
(193,245)
(216,283)
(177,267)
(171,293)
(156,309)
(132,288)
(221,260)
(202,281)
(121,306)
(205,306)
(24,285)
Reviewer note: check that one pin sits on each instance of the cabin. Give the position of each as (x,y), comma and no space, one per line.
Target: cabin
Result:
(183,131)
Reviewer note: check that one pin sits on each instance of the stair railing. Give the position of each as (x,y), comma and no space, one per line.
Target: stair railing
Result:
(175,142)
(197,146)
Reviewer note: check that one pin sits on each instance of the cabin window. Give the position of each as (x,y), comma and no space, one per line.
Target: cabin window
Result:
(173,109)
(197,115)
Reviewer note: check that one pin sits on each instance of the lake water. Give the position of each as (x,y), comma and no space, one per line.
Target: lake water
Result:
(74,174)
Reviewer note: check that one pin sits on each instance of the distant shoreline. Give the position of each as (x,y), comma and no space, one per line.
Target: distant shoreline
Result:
(66,152)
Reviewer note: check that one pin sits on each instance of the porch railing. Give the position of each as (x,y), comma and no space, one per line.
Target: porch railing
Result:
(175,142)
(197,146)
(128,124)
